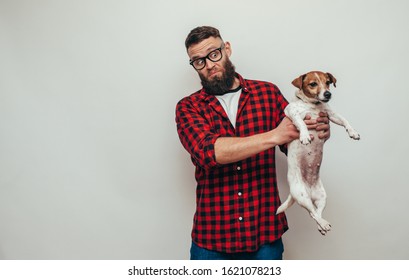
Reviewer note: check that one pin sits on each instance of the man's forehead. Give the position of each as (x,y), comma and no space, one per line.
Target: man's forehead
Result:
(201,49)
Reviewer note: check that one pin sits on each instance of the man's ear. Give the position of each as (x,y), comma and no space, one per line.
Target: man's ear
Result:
(227,48)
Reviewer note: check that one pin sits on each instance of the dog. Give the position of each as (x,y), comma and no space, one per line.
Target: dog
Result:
(305,155)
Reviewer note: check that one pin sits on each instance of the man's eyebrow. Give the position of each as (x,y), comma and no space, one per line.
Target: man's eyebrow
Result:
(195,57)
(208,50)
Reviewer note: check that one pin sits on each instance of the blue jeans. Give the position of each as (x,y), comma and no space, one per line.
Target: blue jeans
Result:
(272,251)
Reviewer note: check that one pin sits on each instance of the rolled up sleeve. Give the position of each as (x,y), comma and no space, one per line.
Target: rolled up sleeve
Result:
(196,135)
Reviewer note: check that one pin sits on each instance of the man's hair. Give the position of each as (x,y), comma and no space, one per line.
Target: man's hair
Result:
(201,33)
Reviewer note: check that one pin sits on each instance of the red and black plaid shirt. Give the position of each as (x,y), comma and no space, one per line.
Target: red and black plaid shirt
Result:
(235,203)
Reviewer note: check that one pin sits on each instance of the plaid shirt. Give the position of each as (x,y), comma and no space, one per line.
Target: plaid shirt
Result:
(235,203)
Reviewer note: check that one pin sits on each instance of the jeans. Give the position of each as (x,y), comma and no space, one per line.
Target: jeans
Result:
(272,251)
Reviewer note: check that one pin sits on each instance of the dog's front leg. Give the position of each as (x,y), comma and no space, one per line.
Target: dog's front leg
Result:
(305,137)
(340,120)
(297,117)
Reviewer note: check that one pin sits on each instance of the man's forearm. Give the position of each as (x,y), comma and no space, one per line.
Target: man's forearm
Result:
(233,149)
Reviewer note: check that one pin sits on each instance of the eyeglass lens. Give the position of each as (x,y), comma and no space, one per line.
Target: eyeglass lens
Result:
(213,56)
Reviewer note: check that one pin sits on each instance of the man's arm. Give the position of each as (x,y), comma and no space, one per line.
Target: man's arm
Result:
(208,149)
(233,149)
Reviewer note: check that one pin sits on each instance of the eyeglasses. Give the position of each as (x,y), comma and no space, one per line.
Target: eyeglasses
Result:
(214,56)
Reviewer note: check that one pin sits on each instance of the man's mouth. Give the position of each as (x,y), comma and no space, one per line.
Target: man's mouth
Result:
(211,74)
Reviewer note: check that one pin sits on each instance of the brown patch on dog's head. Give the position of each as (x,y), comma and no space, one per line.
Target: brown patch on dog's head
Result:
(315,84)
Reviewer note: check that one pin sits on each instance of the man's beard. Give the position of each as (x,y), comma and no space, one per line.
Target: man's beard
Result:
(220,85)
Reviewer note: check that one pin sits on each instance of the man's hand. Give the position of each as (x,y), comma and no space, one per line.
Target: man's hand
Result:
(285,132)
(320,124)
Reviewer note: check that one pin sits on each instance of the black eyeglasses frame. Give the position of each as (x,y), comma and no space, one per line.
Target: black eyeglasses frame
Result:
(208,57)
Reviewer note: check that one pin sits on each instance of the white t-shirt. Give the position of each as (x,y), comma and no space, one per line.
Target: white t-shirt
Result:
(230,103)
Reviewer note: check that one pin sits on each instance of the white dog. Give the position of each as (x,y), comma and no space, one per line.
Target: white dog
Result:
(305,156)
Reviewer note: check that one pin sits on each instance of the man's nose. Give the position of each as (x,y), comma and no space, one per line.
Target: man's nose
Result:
(209,64)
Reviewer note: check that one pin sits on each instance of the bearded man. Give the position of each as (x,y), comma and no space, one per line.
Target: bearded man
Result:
(230,128)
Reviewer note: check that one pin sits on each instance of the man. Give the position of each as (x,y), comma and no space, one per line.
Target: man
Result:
(231,128)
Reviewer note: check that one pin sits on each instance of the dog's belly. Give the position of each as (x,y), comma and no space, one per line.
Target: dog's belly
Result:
(307,159)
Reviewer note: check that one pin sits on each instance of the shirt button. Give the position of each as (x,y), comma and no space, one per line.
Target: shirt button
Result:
(238,168)
(240,218)
(240,193)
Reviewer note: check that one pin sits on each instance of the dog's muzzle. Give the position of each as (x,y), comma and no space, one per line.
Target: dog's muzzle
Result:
(327,96)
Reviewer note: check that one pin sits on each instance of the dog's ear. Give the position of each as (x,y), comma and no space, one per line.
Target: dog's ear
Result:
(298,82)
(332,79)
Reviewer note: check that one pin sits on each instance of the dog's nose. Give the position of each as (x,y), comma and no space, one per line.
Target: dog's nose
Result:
(327,95)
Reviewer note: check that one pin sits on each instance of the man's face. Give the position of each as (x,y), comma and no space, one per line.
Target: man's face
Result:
(217,76)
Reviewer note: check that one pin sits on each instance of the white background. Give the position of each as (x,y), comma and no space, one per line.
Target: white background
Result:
(90,163)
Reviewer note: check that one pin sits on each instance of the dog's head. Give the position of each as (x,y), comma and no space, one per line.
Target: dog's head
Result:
(314,86)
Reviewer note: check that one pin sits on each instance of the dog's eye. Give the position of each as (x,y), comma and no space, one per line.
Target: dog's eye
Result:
(313,84)
(328,83)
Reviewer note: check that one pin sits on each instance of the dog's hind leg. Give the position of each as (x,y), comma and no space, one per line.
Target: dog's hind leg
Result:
(304,200)
(323,225)
(319,197)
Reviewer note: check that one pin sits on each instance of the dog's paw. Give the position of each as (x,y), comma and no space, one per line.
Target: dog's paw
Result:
(353,134)
(324,227)
(323,232)
(305,139)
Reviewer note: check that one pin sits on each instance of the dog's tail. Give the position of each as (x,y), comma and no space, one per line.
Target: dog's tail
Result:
(287,204)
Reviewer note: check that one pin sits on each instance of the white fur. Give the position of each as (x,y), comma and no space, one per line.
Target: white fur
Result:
(305,157)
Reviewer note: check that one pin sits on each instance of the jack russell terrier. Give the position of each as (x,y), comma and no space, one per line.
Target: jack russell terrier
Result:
(305,156)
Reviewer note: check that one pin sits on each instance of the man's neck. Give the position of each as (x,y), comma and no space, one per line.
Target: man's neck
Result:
(236,83)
